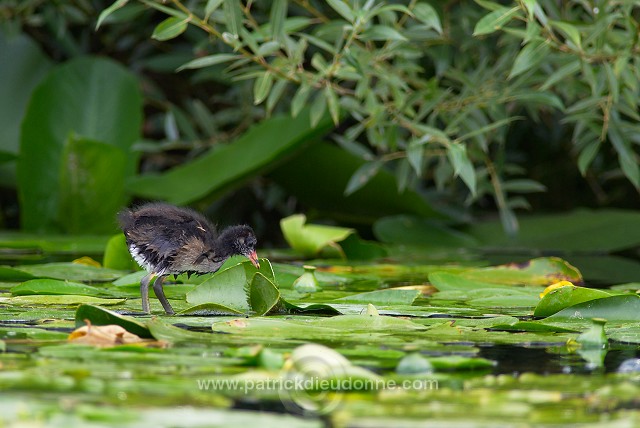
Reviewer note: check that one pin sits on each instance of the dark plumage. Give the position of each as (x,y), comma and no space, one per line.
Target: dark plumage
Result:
(167,240)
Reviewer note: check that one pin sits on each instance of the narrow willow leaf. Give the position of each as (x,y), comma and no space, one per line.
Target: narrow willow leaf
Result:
(318,107)
(108,11)
(462,165)
(523,186)
(529,57)
(362,176)
(300,99)
(343,9)
(562,73)
(626,155)
(494,20)
(207,61)
(332,102)
(587,155)
(570,31)
(425,13)
(261,87)
(487,128)
(275,94)
(233,16)
(169,28)
(277,18)
(212,6)
(530,5)
(382,33)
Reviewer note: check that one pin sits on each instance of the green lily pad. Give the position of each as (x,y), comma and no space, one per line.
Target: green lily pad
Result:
(383,297)
(59,300)
(615,308)
(540,271)
(72,272)
(563,297)
(241,288)
(55,286)
(100,316)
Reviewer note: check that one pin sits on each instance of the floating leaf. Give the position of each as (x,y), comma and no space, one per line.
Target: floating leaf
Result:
(540,271)
(566,296)
(54,286)
(384,297)
(614,308)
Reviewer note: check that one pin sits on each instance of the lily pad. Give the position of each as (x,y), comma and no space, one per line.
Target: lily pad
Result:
(540,271)
(55,286)
(239,289)
(615,308)
(383,297)
(566,296)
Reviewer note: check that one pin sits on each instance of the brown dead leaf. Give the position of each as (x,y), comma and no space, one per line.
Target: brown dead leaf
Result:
(106,336)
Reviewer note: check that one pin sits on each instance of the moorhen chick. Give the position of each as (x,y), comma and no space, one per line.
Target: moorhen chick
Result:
(168,240)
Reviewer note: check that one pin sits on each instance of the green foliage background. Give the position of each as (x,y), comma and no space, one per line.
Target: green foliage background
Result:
(462,107)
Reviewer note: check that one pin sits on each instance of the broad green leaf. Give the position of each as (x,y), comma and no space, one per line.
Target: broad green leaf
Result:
(384,297)
(615,308)
(581,230)
(116,254)
(72,272)
(234,288)
(343,9)
(73,100)
(91,189)
(539,271)
(100,316)
(252,154)
(23,66)
(445,281)
(427,14)
(422,232)
(170,28)
(310,239)
(362,176)
(494,21)
(58,300)
(382,33)
(54,286)
(325,192)
(462,165)
(563,297)
(108,11)
(529,57)
(263,294)
(209,60)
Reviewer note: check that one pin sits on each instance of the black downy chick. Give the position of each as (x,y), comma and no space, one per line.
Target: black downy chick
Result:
(169,240)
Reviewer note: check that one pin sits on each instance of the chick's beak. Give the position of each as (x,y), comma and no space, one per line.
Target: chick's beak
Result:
(254,259)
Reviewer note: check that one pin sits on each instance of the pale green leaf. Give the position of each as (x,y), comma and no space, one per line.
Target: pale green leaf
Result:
(494,20)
